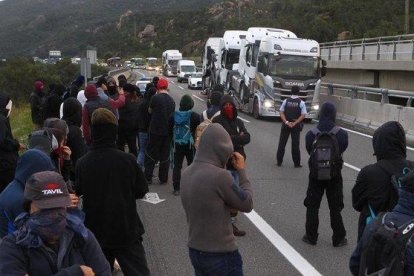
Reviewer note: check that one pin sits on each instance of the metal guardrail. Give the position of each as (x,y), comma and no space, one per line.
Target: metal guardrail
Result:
(388,48)
(353,91)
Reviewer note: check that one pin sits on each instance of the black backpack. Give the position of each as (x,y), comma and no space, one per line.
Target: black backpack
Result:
(384,253)
(325,161)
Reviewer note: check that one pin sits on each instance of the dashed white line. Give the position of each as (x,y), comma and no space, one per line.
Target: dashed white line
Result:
(300,263)
(198,98)
(352,167)
(181,87)
(172,81)
(244,120)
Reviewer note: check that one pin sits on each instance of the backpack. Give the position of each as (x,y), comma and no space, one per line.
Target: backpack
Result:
(182,130)
(384,253)
(325,159)
(202,126)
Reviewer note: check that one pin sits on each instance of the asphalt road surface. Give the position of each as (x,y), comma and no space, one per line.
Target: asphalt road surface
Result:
(274,229)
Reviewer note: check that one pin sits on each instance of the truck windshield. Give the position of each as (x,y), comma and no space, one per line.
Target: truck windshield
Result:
(293,66)
(188,68)
(152,62)
(232,57)
(173,63)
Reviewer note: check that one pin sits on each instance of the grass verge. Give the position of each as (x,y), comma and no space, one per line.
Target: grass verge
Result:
(21,123)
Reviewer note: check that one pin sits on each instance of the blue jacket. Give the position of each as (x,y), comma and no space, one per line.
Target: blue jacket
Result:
(23,253)
(327,117)
(401,214)
(11,199)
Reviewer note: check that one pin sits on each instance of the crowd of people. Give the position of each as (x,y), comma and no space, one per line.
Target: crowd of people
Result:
(68,202)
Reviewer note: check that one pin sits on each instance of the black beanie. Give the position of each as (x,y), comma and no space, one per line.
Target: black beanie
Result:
(295,90)
(215,98)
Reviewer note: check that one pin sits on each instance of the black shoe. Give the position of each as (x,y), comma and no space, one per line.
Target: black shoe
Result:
(149,182)
(298,166)
(237,232)
(307,240)
(341,243)
(176,192)
(279,164)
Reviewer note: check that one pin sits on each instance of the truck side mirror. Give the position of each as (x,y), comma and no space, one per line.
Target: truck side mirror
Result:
(323,63)
(178,71)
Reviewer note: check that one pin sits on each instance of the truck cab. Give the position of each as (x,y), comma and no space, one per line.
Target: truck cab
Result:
(184,69)
(170,60)
(210,57)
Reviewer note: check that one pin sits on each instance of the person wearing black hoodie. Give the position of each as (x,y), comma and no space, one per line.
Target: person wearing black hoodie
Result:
(9,147)
(373,188)
(239,137)
(53,100)
(111,182)
(36,101)
(72,115)
(334,187)
(143,123)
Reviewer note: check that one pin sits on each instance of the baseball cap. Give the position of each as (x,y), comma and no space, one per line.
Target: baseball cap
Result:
(162,84)
(47,190)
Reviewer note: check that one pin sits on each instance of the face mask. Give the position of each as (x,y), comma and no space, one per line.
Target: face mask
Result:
(49,224)
(9,108)
(229,112)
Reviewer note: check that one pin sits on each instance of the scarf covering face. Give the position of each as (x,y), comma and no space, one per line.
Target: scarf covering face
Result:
(228,111)
(48,224)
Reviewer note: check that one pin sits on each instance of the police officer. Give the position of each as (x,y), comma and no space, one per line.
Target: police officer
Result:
(292,113)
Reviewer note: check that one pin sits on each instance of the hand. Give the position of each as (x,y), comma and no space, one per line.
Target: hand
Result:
(291,124)
(22,146)
(66,152)
(87,271)
(75,200)
(121,92)
(238,161)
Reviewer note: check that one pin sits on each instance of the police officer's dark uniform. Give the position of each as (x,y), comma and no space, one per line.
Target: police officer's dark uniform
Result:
(292,113)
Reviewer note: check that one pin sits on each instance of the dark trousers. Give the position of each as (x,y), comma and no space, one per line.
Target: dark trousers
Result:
(129,138)
(284,136)
(180,152)
(158,149)
(131,259)
(6,176)
(312,202)
(218,264)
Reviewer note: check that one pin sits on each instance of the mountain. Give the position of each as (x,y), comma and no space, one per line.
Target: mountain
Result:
(147,27)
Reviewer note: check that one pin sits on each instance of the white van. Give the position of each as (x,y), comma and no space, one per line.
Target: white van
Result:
(184,69)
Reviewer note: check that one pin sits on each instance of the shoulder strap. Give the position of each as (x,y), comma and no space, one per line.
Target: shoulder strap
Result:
(335,130)
(315,131)
(215,115)
(205,115)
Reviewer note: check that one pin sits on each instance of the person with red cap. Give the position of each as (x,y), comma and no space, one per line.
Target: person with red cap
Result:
(161,108)
(93,102)
(36,99)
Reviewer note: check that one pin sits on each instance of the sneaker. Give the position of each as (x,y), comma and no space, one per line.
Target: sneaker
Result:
(176,193)
(341,243)
(307,240)
(298,166)
(237,232)
(279,164)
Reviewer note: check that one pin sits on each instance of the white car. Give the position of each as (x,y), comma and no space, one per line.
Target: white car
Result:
(195,81)
(142,84)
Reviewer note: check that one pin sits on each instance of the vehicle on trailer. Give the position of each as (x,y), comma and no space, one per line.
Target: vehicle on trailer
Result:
(195,81)
(184,69)
(152,64)
(170,60)
(210,57)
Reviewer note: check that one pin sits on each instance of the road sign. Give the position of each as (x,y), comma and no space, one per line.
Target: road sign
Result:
(152,198)
(85,67)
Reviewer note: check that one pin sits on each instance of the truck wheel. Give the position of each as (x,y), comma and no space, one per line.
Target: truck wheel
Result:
(256,113)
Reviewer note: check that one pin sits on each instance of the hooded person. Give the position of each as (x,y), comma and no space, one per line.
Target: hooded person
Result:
(143,122)
(213,105)
(36,102)
(373,189)
(48,241)
(207,204)
(93,102)
(333,187)
(72,115)
(9,147)
(53,101)
(74,87)
(11,199)
(111,182)
(239,137)
(401,217)
(184,119)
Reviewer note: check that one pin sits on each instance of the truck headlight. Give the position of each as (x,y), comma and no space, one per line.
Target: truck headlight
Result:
(315,107)
(268,103)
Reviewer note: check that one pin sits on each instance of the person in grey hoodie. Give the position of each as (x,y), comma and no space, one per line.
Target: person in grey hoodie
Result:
(207,194)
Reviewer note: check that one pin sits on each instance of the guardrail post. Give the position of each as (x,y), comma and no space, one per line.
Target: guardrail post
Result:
(365,95)
(329,53)
(350,52)
(378,51)
(363,50)
(410,102)
(384,99)
(412,51)
(340,53)
(394,51)
(354,91)
(330,89)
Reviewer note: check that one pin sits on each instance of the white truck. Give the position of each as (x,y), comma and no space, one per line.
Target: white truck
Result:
(230,46)
(151,64)
(211,54)
(271,63)
(170,60)
(185,68)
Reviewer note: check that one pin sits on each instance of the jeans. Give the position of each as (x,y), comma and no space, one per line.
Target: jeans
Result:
(218,264)
(142,142)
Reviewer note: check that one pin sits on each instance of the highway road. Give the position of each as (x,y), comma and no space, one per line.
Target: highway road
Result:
(274,229)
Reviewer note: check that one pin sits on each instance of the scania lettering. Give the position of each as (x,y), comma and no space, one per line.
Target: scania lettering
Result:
(170,60)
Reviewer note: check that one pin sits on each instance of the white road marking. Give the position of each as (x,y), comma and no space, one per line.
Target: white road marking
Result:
(352,167)
(300,263)
(172,81)
(198,98)
(152,198)
(244,120)
(140,73)
(181,87)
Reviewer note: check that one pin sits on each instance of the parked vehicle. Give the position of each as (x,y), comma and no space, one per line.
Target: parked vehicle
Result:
(151,64)
(170,60)
(195,81)
(184,69)
(137,63)
(210,57)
